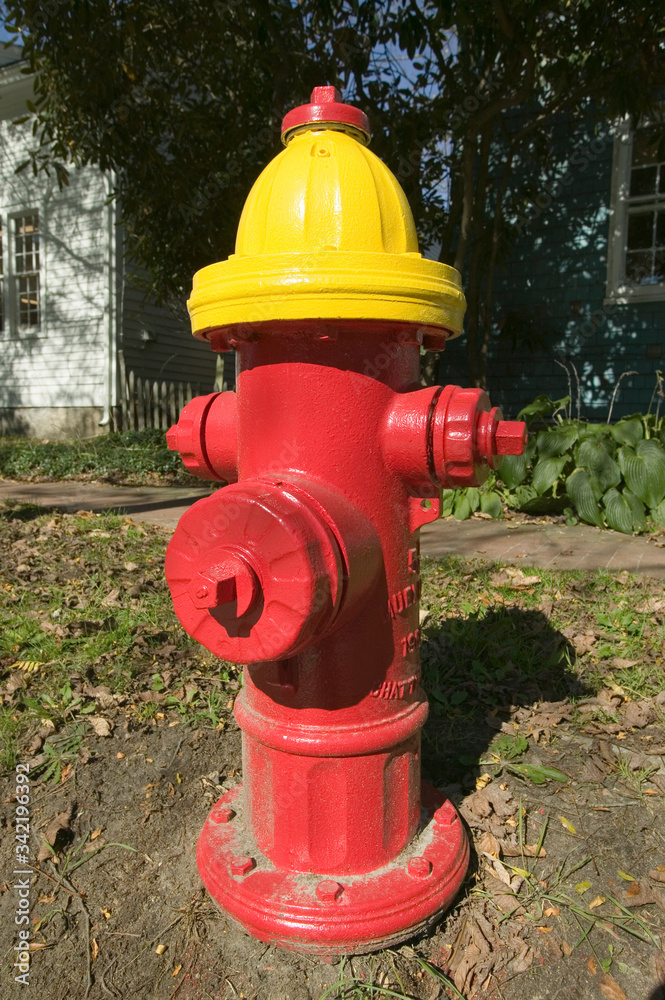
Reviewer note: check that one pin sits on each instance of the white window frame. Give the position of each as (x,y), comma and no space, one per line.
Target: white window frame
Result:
(618,290)
(13,327)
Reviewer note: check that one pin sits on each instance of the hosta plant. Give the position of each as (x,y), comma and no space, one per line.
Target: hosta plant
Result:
(609,475)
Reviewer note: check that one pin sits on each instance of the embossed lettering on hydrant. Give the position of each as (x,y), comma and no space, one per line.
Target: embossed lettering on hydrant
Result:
(404,598)
(396,689)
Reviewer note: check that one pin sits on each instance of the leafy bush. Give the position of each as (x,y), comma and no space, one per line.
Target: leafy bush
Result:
(609,475)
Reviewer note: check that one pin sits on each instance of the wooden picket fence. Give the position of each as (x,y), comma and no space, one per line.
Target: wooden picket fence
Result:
(153,403)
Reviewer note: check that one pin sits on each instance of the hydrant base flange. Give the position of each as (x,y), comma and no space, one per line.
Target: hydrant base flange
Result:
(338,914)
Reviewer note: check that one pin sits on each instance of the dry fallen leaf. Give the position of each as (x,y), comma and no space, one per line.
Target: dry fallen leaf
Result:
(598,901)
(637,894)
(160,949)
(95,834)
(488,844)
(638,713)
(177,970)
(621,664)
(591,964)
(95,949)
(514,850)
(658,874)
(610,988)
(58,829)
(567,825)
(552,911)
(101,726)
(566,948)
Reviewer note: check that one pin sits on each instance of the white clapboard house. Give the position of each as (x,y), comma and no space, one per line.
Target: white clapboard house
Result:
(81,348)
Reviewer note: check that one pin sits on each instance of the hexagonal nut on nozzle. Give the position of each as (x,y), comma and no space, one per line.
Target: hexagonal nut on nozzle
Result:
(510,437)
(228,585)
(207,592)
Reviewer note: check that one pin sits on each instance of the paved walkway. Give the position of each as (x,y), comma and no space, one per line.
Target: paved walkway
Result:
(547,545)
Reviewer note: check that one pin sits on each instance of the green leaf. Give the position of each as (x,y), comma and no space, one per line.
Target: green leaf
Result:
(658,514)
(461,507)
(512,470)
(490,503)
(594,456)
(538,773)
(546,473)
(546,504)
(510,747)
(524,493)
(541,407)
(637,510)
(644,471)
(473,496)
(457,697)
(618,513)
(447,502)
(630,430)
(556,441)
(585,495)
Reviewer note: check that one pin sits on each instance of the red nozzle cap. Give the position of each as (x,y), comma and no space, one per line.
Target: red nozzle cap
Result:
(326,108)
(511,437)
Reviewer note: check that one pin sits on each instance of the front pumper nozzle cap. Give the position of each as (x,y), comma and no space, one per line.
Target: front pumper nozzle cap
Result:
(327,110)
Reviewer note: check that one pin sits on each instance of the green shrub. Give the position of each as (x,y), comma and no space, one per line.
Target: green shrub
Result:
(609,475)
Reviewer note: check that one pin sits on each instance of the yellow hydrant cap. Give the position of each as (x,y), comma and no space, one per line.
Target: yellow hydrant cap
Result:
(326,233)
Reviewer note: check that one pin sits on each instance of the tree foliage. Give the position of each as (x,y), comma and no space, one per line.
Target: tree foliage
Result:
(182,100)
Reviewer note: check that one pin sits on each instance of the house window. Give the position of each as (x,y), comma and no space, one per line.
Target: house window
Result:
(636,251)
(26,271)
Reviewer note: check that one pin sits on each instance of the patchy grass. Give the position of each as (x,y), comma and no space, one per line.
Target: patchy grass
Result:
(137,458)
(494,636)
(84,605)
(86,624)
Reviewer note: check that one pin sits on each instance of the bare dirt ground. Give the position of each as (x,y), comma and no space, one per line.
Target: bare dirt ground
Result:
(587,920)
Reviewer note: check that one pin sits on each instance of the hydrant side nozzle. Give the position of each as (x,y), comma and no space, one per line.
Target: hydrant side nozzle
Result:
(469,437)
(206,437)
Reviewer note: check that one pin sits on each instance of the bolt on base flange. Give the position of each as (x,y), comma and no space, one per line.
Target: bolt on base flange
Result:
(333,914)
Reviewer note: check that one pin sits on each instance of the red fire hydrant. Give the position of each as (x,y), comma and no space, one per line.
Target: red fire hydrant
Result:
(306,567)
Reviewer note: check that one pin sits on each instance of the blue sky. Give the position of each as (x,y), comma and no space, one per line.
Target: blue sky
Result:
(3,34)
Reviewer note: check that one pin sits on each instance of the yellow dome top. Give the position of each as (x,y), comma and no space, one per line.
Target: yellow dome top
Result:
(326,191)
(326,233)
